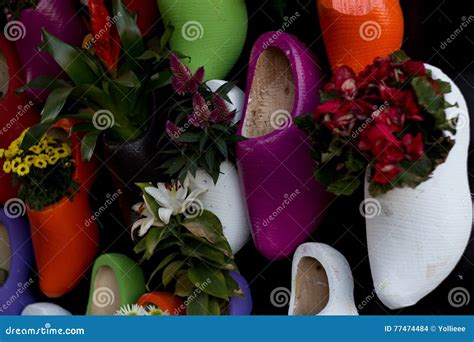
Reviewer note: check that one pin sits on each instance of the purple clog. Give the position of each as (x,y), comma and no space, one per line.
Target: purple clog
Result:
(284,201)
(16,262)
(59,17)
(241,306)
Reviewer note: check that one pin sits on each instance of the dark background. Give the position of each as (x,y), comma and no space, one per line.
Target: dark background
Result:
(427,24)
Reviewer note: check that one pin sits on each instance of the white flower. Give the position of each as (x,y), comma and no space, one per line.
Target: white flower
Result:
(131,310)
(147,221)
(155,311)
(173,198)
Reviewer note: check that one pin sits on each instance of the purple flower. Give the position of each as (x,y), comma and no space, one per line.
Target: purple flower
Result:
(183,80)
(221,113)
(172,130)
(201,112)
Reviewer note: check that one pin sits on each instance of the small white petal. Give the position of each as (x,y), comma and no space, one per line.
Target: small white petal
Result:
(165,214)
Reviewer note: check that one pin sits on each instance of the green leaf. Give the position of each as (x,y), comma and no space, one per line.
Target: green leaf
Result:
(198,305)
(344,186)
(188,137)
(170,271)
(54,104)
(222,147)
(214,308)
(88,143)
(428,98)
(399,56)
(207,226)
(328,96)
(128,79)
(140,246)
(129,33)
(71,59)
(44,82)
(34,135)
(214,281)
(153,238)
(159,80)
(184,286)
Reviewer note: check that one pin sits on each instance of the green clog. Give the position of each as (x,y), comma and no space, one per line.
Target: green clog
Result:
(116,281)
(211,32)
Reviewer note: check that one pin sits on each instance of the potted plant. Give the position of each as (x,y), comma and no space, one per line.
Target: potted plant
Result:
(16,111)
(200,143)
(27,19)
(112,82)
(401,127)
(193,258)
(54,183)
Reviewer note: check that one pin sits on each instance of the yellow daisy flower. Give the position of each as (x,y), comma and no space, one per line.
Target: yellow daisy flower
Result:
(36,149)
(53,159)
(15,162)
(23,169)
(29,160)
(63,151)
(40,163)
(7,166)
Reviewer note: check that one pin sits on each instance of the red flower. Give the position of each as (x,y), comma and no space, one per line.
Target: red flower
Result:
(221,113)
(393,96)
(345,81)
(336,116)
(382,144)
(414,68)
(384,173)
(201,112)
(391,117)
(107,45)
(413,146)
(411,106)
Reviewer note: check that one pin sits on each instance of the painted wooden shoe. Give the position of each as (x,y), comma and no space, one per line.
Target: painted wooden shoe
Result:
(59,17)
(44,309)
(16,262)
(116,281)
(417,236)
(241,306)
(357,31)
(164,301)
(321,282)
(211,33)
(284,201)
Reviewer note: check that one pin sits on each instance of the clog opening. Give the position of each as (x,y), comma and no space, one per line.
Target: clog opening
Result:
(106,294)
(5,252)
(272,95)
(312,287)
(4,76)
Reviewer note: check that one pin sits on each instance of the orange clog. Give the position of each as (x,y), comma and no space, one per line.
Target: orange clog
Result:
(164,301)
(65,236)
(357,31)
